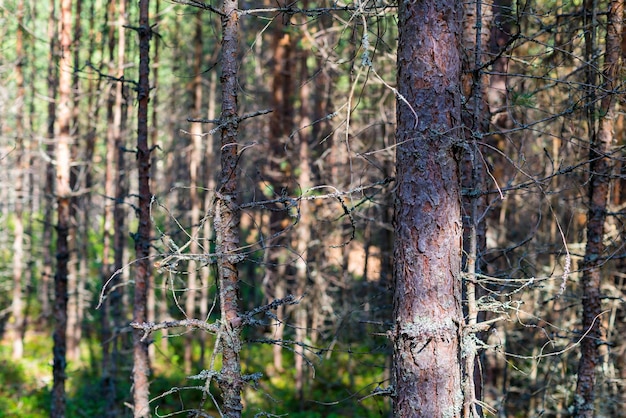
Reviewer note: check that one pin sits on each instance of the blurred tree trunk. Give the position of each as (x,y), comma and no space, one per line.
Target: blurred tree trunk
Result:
(73,292)
(304,228)
(154,143)
(141,360)
(226,219)
(50,184)
(427,311)
(208,232)
(195,175)
(281,126)
(600,169)
(171,164)
(86,204)
(17,306)
(107,269)
(114,236)
(63,195)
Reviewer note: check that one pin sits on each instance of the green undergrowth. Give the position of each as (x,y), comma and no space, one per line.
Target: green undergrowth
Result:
(337,384)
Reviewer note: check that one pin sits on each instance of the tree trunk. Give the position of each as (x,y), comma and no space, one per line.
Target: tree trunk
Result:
(63,195)
(226,218)
(50,183)
(427,312)
(195,176)
(475,115)
(73,286)
(303,234)
(141,360)
(114,213)
(18,240)
(599,183)
(154,140)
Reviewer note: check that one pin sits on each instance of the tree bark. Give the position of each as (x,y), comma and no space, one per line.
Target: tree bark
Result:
(427,252)
(20,167)
(226,218)
(600,176)
(63,196)
(141,360)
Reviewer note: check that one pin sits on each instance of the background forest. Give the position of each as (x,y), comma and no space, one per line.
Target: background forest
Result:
(83,240)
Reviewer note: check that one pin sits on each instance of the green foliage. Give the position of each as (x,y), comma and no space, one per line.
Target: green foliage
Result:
(21,392)
(335,383)
(523,99)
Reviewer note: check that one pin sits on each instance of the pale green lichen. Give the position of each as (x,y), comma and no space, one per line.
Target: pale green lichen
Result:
(426,326)
(454,410)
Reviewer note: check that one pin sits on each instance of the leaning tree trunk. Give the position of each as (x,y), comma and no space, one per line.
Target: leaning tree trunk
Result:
(599,182)
(427,312)
(141,361)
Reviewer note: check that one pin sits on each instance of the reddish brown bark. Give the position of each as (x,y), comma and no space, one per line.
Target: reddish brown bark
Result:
(600,173)
(63,195)
(141,361)
(427,253)
(226,219)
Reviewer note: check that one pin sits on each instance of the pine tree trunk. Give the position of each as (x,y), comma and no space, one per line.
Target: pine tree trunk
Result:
(18,240)
(600,176)
(63,196)
(427,253)
(141,360)
(195,176)
(50,184)
(226,218)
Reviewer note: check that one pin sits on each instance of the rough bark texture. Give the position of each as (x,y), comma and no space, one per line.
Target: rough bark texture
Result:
(599,182)
(63,194)
(141,361)
(226,219)
(427,313)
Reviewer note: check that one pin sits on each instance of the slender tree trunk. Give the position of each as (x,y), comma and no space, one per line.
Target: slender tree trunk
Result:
(50,183)
(209,163)
(73,286)
(154,138)
(427,313)
(114,213)
(107,270)
(281,124)
(303,235)
(599,183)
(18,243)
(141,360)
(226,218)
(195,175)
(63,193)
(476,19)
